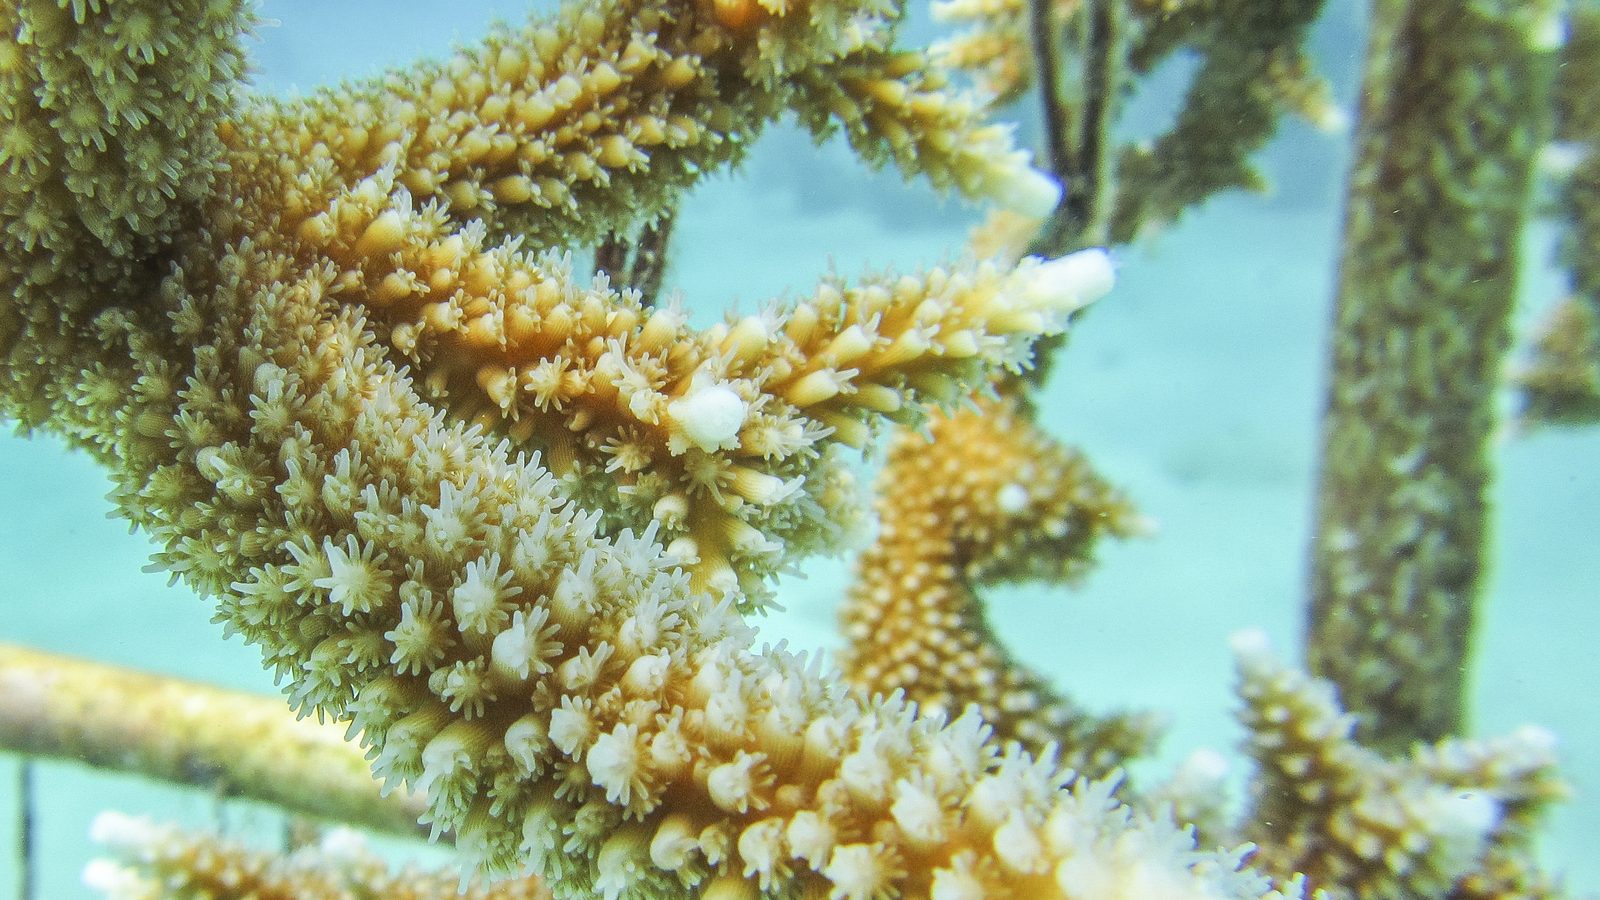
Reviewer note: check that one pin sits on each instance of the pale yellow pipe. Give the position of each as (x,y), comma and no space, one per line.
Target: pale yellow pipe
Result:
(169,729)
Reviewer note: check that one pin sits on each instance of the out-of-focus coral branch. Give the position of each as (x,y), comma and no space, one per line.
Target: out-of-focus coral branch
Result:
(1044,34)
(1254,69)
(162,862)
(983,497)
(1453,819)
(641,263)
(1427,281)
(1078,126)
(165,728)
(1559,382)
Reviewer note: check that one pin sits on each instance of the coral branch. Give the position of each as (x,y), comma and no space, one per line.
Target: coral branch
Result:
(1560,382)
(1427,281)
(560,696)
(558,131)
(162,862)
(1451,820)
(91,96)
(897,106)
(721,438)
(984,497)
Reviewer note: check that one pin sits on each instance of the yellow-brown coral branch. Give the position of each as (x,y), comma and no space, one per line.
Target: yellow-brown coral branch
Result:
(108,115)
(721,438)
(163,862)
(1452,819)
(555,131)
(897,106)
(985,496)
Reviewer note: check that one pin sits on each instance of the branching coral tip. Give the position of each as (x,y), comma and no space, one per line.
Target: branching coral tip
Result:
(1071,282)
(1022,188)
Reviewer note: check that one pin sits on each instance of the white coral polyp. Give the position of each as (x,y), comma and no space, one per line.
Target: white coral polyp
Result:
(1012,498)
(861,871)
(918,813)
(1018,847)
(614,761)
(709,416)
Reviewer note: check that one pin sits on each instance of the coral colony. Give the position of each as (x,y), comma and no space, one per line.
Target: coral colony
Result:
(503,521)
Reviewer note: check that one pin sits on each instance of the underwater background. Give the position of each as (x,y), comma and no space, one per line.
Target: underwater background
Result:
(1195,386)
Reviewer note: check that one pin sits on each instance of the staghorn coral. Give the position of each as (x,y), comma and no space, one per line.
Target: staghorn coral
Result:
(1254,70)
(1426,285)
(559,131)
(1453,819)
(983,497)
(551,726)
(1559,382)
(248,308)
(162,862)
(707,435)
(565,697)
(710,436)
(92,100)
(897,106)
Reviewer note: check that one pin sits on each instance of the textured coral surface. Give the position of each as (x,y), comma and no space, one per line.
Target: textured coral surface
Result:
(1238,511)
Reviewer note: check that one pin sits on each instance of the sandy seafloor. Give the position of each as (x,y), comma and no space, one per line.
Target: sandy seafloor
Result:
(1195,386)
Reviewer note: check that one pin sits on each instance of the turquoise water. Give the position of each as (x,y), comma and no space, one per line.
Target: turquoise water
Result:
(1195,386)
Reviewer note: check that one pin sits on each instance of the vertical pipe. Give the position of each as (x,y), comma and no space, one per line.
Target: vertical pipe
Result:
(26,875)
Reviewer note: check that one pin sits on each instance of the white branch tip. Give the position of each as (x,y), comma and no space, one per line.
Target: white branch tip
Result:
(1071,282)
